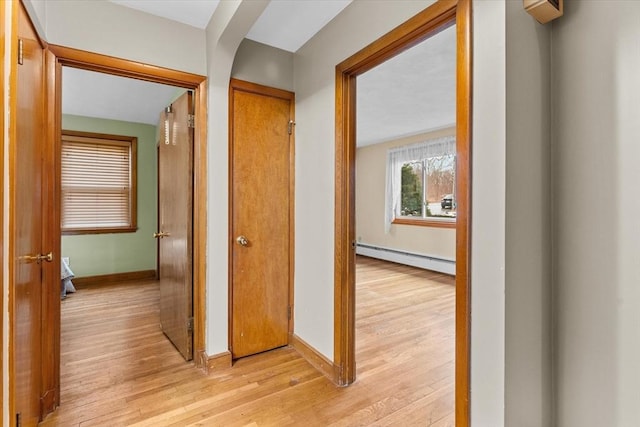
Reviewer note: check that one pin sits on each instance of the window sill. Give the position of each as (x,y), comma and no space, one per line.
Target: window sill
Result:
(76,231)
(426,222)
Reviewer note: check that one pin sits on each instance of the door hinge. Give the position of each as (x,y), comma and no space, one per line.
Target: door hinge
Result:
(20,52)
(289,312)
(18,420)
(190,324)
(290,126)
(191,121)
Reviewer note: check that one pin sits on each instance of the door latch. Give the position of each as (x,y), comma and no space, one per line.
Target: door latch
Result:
(37,258)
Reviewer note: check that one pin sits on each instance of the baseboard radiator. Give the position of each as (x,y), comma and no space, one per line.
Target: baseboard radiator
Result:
(427,262)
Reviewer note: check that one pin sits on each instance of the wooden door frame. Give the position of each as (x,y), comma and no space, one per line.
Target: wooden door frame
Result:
(241,85)
(433,19)
(3,89)
(59,56)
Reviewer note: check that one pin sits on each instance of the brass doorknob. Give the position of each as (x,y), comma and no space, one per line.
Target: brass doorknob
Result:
(161,234)
(242,241)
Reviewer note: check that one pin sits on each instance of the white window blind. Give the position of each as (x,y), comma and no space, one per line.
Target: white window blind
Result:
(97,185)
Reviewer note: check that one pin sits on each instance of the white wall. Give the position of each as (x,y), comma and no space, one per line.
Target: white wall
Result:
(314,74)
(258,63)
(596,123)
(110,29)
(488,215)
(528,387)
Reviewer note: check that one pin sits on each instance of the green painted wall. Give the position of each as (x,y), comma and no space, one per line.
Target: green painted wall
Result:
(96,254)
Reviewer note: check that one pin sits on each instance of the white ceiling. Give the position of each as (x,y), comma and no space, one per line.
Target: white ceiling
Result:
(304,18)
(86,93)
(196,13)
(408,94)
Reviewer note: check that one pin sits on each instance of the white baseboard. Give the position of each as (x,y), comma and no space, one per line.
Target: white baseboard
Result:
(428,262)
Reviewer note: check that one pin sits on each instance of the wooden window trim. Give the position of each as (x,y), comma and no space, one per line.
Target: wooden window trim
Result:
(132,142)
(111,230)
(425,222)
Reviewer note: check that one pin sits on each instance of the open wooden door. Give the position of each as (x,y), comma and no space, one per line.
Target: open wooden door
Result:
(175,223)
(26,219)
(261,217)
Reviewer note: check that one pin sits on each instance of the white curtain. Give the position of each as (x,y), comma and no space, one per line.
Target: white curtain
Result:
(398,156)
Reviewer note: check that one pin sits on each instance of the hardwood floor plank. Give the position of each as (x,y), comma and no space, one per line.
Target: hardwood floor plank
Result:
(118,369)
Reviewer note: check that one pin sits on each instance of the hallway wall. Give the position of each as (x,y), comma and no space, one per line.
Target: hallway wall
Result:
(528,314)
(111,29)
(596,98)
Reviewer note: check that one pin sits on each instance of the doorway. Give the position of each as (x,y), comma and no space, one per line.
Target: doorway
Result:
(110,190)
(435,18)
(405,229)
(59,56)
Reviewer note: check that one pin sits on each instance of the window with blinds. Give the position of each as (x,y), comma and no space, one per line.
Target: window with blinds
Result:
(98,183)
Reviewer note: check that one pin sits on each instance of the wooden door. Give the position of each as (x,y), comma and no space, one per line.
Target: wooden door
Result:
(26,223)
(261,221)
(175,223)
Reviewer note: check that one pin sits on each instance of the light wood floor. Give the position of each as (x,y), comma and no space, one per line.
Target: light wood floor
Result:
(118,369)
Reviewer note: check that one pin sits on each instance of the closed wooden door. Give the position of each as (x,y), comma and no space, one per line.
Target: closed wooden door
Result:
(26,217)
(261,220)
(175,223)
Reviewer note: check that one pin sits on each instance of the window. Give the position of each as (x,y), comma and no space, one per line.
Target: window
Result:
(421,184)
(98,183)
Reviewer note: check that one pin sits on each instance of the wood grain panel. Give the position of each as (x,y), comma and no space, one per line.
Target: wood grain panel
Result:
(25,224)
(260,202)
(405,332)
(3,34)
(464,94)
(51,242)
(425,223)
(200,217)
(122,67)
(175,202)
(217,362)
(316,359)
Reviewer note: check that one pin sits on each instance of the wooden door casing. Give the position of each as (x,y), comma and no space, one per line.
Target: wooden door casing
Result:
(261,156)
(435,17)
(57,58)
(26,218)
(175,219)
